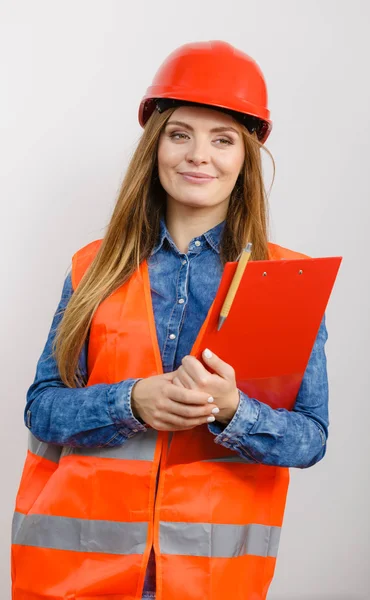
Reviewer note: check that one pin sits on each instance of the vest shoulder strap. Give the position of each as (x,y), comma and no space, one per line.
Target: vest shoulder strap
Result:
(278,252)
(82,259)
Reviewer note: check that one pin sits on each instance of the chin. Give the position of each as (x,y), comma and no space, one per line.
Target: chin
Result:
(196,200)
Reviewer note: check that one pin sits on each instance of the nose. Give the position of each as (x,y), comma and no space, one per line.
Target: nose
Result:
(197,152)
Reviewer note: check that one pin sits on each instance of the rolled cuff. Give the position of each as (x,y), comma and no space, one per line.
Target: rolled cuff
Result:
(119,400)
(245,417)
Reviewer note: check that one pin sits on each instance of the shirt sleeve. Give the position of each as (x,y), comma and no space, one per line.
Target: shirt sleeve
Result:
(279,437)
(96,415)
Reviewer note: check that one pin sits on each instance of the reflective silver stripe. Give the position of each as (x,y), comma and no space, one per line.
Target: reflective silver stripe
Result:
(48,451)
(141,446)
(16,523)
(79,535)
(221,541)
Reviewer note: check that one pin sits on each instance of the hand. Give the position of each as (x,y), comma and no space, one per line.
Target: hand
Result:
(167,407)
(221,385)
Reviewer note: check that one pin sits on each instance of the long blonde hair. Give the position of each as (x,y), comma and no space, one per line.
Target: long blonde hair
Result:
(133,230)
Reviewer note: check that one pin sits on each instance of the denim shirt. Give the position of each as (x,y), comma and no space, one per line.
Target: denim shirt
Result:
(183,286)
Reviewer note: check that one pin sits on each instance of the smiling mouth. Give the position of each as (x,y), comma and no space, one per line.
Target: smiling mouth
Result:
(191,178)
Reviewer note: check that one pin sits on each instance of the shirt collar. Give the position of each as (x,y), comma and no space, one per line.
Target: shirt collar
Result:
(163,233)
(212,236)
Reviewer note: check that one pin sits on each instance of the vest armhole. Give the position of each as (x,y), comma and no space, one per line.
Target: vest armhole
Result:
(73,271)
(82,259)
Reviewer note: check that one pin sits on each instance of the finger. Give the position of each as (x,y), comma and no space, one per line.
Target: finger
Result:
(174,421)
(185,379)
(219,366)
(186,396)
(177,382)
(169,427)
(169,376)
(191,411)
(195,370)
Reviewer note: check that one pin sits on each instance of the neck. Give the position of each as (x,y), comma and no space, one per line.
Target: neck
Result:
(186,223)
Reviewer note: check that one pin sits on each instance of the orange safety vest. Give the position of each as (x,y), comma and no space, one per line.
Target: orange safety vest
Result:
(86,518)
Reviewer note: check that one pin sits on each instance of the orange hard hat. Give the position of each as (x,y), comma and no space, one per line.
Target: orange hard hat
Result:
(215,74)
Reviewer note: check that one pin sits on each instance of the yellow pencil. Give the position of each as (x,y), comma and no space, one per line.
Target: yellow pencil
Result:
(234,285)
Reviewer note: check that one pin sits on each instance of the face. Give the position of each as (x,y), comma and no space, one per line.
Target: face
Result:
(200,155)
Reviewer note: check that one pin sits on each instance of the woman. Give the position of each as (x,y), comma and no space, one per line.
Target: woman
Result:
(149,474)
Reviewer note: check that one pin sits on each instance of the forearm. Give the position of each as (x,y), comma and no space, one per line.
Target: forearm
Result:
(280,437)
(272,437)
(96,415)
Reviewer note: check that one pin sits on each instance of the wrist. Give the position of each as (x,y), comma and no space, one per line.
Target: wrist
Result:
(134,403)
(227,414)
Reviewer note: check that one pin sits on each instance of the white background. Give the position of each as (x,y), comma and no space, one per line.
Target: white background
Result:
(72,76)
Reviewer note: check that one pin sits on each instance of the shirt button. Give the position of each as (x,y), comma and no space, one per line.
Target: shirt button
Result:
(184,262)
(181,301)
(172,336)
(135,430)
(197,243)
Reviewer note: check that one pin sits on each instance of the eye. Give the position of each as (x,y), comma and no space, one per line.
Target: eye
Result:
(178,136)
(225,141)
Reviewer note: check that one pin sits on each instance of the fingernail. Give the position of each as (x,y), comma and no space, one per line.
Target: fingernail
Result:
(211,419)
(210,399)
(207,353)
(215,410)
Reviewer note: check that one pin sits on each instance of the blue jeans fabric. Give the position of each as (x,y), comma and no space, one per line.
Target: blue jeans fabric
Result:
(183,286)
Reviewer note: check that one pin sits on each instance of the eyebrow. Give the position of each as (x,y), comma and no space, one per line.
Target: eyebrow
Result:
(214,130)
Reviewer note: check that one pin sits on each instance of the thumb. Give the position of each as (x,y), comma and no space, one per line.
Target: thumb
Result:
(220,367)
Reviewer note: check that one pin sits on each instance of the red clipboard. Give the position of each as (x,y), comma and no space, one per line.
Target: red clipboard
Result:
(272,325)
